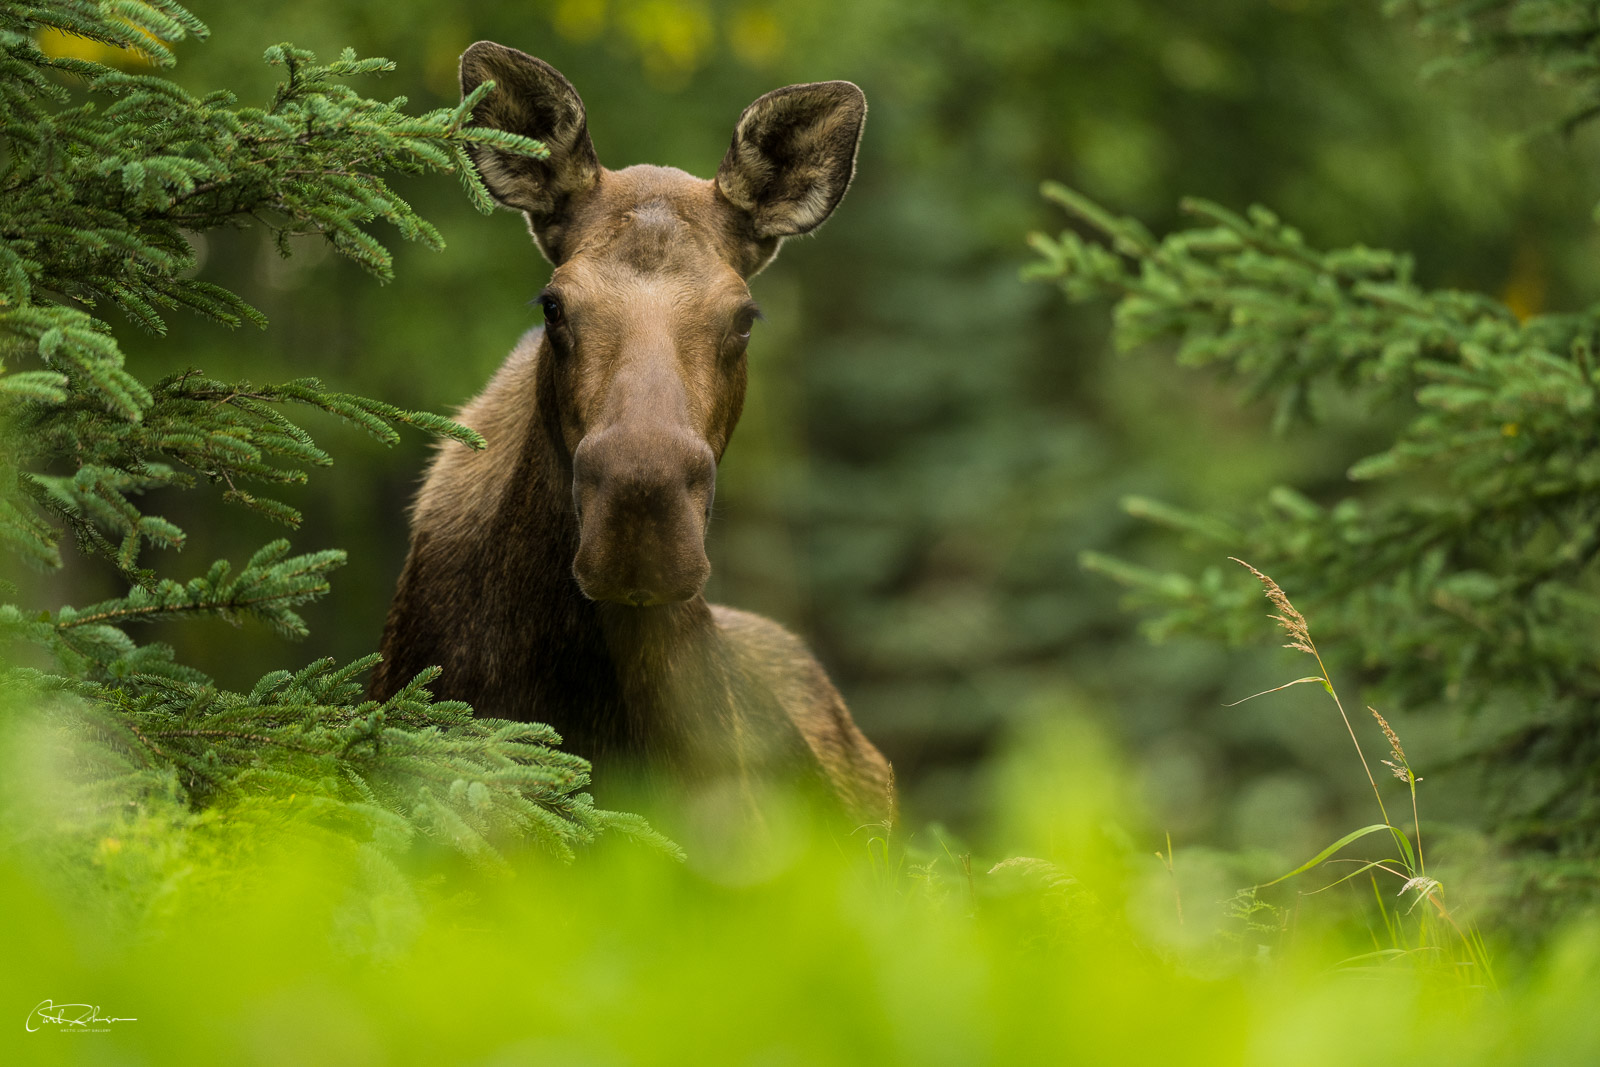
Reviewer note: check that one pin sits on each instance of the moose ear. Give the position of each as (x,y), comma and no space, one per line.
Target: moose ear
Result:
(793,155)
(531,98)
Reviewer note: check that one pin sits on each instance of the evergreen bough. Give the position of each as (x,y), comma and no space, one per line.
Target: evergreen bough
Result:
(1461,571)
(1561,37)
(103,172)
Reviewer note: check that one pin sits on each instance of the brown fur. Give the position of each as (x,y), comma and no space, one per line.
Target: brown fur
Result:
(558,575)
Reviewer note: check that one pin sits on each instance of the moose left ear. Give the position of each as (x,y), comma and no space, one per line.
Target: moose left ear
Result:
(793,155)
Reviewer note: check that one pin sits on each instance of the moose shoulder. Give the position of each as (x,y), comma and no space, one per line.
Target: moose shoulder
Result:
(557,576)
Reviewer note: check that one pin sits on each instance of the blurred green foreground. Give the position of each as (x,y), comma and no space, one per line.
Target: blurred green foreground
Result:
(257,936)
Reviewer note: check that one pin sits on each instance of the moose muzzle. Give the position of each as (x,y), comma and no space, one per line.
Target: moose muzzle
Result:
(643,498)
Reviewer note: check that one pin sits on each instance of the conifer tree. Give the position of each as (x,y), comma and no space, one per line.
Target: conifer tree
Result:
(1461,569)
(102,174)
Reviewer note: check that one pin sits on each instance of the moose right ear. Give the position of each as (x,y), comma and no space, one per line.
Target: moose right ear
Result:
(531,98)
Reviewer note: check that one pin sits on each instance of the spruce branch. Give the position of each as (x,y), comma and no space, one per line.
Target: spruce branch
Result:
(1460,562)
(429,767)
(107,172)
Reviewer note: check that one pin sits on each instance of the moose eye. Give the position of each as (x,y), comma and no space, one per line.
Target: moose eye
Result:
(551,307)
(742,324)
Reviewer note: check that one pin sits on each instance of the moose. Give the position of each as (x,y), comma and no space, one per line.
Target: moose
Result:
(558,575)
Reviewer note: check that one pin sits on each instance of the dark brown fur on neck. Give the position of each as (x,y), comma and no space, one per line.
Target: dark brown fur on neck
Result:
(556,576)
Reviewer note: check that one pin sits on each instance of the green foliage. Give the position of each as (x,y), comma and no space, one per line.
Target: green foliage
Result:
(1562,36)
(1463,952)
(1461,568)
(1089,949)
(108,177)
(95,204)
(383,771)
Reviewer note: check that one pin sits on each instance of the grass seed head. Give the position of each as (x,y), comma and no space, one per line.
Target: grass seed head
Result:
(1400,767)
(1293,623)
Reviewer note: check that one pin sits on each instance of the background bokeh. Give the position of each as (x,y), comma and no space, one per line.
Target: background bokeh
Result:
(930,441)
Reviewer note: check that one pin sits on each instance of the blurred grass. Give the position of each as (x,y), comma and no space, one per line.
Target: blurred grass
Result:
(253,938)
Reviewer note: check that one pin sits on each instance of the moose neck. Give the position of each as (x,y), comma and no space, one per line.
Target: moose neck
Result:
(618,677)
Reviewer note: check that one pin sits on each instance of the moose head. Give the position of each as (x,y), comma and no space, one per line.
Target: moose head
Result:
(648,311)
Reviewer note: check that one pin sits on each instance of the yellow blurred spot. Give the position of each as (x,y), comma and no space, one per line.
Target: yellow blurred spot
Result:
(59,45)
(580,20)
(111,845)
(1525,289)
(756,36)
(1510,429)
